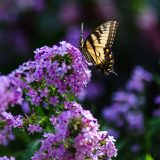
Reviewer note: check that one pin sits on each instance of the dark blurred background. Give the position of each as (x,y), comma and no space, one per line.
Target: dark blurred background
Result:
(27,25)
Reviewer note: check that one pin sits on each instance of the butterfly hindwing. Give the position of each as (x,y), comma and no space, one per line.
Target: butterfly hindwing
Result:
(96,47)
(107,65)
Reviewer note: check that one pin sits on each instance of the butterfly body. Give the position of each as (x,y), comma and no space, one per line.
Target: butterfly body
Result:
(97,47)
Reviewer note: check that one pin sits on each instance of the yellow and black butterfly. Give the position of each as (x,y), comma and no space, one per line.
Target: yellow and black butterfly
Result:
(97,46)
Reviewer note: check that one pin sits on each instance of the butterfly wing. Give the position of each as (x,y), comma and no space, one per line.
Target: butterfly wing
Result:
(97,46)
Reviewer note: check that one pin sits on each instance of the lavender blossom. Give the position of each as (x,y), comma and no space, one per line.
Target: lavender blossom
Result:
(6,158)
(76,136)
(115,113)
(139,76)
(10,93)
(125,109)
(135,121)
(9,121)
(157,99)
(56,73)
(25,107)
(125,97)
(32,128)
(55,76)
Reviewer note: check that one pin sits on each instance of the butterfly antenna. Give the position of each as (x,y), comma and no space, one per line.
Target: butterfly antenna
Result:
(114,73)
(81,37)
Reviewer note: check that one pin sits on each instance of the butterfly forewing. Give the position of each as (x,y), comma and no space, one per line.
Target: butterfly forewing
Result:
(97,46)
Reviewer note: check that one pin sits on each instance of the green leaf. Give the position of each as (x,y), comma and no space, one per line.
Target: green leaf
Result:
(148,157)
(39,110)
(31,148)
(2,124)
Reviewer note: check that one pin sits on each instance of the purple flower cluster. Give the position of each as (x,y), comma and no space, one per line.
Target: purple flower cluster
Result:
(55,74)
(8,121)
(125,109)
(10,93)
(32,128)
(157,99)
(6,158)
(76,136)
(139,76)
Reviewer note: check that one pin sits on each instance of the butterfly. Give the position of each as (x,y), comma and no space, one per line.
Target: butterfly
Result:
(97,46)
